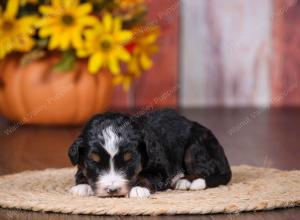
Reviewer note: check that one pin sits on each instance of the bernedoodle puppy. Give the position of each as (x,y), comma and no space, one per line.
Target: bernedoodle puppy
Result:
(135,156)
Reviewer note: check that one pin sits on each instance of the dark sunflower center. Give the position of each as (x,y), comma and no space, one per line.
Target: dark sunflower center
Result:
(7,25)
(105,45)
(67,19)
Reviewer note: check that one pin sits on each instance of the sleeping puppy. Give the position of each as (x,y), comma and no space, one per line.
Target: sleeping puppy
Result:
(121,155)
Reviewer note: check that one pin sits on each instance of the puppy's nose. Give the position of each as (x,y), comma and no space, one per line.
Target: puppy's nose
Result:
(112,190)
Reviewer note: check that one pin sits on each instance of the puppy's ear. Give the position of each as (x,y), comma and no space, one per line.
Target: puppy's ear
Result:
(74,150)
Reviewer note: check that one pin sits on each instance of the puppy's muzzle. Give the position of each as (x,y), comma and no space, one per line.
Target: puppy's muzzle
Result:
(112,190)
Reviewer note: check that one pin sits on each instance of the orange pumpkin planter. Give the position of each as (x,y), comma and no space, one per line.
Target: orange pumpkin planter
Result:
(34,94)
(102,46)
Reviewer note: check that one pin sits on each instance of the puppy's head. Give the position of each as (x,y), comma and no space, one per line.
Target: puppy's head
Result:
(109,154)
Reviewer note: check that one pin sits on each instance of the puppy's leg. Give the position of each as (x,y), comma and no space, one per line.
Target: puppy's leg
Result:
(149,181)
(82,188)
(205,161)
(182,184)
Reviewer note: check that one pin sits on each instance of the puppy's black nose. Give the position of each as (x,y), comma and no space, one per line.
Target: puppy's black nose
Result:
(113,190)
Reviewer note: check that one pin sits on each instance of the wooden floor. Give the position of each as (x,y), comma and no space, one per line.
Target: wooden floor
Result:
(260,137)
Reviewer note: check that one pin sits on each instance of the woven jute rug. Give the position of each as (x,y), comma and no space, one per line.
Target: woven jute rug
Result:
(251,189)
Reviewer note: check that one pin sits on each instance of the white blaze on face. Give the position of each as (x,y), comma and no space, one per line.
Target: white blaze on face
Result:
(111,179)
(111,141)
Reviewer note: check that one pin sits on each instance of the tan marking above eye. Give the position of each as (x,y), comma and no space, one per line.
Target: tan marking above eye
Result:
(127,156)
(95,157)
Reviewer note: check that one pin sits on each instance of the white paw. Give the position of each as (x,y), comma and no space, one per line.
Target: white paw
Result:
(82,190)
(198,184)
(182,184)
(139,192)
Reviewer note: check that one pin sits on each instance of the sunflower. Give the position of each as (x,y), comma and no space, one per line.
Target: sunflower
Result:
(64,21)
(143,48)
(124,79)
(143,45)
(15,34)
(105,45)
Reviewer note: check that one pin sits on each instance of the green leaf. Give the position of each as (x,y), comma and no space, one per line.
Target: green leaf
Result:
(66,62)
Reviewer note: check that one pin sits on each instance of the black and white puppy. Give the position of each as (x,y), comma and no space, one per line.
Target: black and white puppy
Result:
(119,155)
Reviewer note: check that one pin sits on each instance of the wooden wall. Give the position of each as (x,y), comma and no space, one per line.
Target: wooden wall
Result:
(240,53)
(286,61)
(226,52)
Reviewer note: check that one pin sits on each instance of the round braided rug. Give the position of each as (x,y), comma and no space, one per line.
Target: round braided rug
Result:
(251,189)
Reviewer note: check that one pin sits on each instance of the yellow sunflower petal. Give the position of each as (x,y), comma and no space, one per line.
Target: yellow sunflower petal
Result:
(11,8)
(28,20)
(123,36)
(81,52)
(77,39)
(113,65)
(117,25)
(47,10)
(54,42)
(95,62)
(57,3)
(91,33)
(46,22)
(45,32)
(84,9)
(27,24)
(123,54)
(146,62)
(4,49)
(127,83)
(150,38)
(107,22)
(134,67)
(24,43)
(89,21)
(123,80)
(70,3)
(65,41)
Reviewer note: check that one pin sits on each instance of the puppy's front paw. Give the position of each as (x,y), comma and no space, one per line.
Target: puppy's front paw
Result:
(198,184)
(82,190)
(182,184)
(139,192)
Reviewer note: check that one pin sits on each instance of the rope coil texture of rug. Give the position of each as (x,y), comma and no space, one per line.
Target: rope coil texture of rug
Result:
(251,189)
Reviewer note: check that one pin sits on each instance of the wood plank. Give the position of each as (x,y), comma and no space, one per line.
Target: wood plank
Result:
(285,71)
(226,52)
(120,99)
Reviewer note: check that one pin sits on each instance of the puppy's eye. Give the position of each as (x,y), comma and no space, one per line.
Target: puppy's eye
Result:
(127,156)
(95,157)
